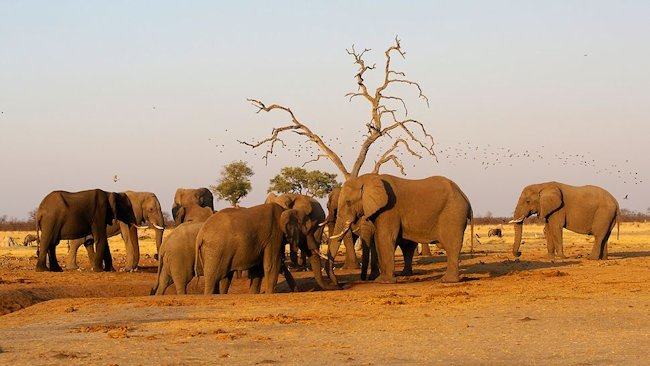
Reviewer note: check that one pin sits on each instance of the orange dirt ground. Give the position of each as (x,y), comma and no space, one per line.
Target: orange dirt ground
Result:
(529,311)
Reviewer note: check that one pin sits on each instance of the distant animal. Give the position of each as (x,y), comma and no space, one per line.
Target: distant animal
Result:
(29,239)
(495,232)
(587,210)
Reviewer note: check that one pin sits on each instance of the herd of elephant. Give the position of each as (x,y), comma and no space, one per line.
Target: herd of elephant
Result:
(382,211)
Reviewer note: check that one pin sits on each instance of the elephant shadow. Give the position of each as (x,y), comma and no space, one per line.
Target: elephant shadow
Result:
(624,255)
(508,267)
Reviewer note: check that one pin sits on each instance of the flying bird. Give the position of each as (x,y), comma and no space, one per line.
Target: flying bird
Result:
(115,178)
(625,197)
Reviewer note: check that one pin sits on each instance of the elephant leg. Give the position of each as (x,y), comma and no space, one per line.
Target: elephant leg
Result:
(365,259)
(408,250)
(385,244)
(453,257)
(163,282)
(224,284)
(271,269)
(255,275)
(291,282)
(426,250)
(108,260)
(47,240)
(90,249)
(374,262)
(553,233)
(54,264)
(130,236)
(603,226)
(71,259)
(351,261)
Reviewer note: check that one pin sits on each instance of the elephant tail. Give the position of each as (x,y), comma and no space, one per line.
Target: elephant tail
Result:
(198,261)
(160,268)
(471,225)
(618,223)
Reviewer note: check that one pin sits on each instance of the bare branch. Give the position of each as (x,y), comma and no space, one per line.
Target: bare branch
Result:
(406,111)
(315,160)
(389,156)
(421,95)
(298,128)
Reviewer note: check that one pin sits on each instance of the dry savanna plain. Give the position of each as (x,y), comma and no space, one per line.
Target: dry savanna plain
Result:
(524,311)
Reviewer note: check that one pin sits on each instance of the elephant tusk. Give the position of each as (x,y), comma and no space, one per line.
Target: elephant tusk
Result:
(141,227)
(345,230)
(322,255)
(158,227)
(322,224)
(518,221)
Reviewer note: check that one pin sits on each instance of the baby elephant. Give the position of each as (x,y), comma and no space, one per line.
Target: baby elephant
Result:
(176,259)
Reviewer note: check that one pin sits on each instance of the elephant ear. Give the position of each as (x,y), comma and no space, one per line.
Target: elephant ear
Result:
(550,200)
(112,202)
(180,216)
(366,230)
(373,196)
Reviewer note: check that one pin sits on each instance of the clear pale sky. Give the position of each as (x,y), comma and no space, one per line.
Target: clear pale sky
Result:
(151,90)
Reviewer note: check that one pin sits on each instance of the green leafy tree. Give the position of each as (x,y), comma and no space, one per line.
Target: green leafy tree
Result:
(234,183)
(298,180)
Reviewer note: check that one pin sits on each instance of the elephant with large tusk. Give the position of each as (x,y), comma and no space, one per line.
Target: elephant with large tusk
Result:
(584,210)
(404,212)
(147,212)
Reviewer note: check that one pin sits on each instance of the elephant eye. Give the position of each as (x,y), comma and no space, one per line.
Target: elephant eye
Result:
(348,203)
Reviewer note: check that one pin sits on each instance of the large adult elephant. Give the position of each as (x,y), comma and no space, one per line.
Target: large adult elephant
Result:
(147,212)
(351,260)
(314,216)
(187,204)
(587,210)
(251,239)
(67,215)
(404,211)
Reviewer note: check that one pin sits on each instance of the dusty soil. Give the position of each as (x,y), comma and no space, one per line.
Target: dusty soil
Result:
(505,311)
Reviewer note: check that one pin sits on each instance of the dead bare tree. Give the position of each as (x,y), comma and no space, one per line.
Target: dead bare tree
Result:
(385,121)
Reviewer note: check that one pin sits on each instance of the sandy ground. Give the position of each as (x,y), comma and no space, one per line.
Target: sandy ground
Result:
(527,311)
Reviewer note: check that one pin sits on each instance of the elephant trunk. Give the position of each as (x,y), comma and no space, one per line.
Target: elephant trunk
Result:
(159,238)
(515,246)
(318,274)
(334,243)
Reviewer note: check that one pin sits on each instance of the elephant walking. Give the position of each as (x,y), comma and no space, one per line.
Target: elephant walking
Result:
(404,211)
(251,239)
(147,211)
(587,210)
(66,215)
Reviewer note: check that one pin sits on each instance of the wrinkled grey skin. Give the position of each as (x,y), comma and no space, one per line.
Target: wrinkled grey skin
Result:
(407,212)
(251,239)
(587,210)
(71,215)
(147,212)
(186,202)
(351,260)
(314,215)
(176,259)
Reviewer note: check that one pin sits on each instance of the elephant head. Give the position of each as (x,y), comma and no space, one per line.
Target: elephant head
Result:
(121,209)
(297,228)
(147,211)
(360,197)
(313,213)
(184,199)
(541,199)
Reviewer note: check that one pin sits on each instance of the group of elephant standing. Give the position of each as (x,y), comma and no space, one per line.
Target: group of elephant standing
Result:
(382,211)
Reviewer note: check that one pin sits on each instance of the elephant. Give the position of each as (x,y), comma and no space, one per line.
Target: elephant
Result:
(351,260)
(72,215)
(146,209)
(176,259)
(314,218)
(252,239)
(187,200)
(495,232)
(587,210)
(406,212)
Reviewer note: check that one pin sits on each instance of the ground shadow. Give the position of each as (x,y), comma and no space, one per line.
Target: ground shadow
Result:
(622,255)
(507,267)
